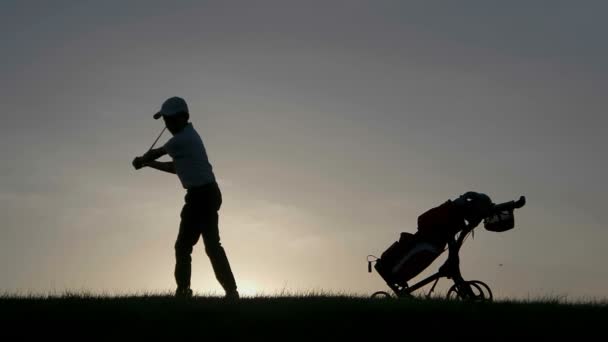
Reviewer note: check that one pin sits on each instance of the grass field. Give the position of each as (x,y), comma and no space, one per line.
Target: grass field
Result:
(296,317)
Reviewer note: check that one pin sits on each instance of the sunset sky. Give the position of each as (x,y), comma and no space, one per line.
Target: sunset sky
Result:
(330,125)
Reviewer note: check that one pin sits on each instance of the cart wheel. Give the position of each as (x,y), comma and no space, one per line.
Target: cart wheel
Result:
(381,295)
(470,291)
(485,289)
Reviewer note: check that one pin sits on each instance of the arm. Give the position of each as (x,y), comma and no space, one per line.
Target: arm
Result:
(149,157)
(162,166)
(154,154)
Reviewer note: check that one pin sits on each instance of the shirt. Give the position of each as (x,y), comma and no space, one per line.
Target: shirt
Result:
(189,156)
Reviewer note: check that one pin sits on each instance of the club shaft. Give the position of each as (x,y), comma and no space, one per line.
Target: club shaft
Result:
(161,133)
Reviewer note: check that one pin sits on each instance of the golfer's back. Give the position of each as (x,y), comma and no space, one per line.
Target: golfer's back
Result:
(189,156)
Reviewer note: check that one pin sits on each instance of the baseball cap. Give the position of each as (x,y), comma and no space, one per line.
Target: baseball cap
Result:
(172,106)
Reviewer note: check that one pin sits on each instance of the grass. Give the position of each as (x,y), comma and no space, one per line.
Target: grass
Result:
(295,316)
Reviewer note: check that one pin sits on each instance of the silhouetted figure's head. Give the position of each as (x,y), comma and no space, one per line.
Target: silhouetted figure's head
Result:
(176,122)
(475,206)
(175,113)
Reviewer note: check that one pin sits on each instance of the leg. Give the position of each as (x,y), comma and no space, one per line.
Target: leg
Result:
(186,239)
(216,253)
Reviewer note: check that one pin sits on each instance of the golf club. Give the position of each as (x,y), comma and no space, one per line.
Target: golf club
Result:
(154,143)
(161,133)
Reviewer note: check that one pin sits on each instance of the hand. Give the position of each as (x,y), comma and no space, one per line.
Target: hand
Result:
(147,155)
(138,163)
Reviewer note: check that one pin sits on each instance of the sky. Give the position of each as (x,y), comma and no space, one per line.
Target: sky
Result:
(330,125)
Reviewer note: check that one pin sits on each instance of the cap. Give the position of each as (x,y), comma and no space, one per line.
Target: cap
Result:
(172,106)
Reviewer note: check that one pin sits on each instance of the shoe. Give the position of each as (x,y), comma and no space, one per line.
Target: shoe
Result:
(183,293)
(232,295)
